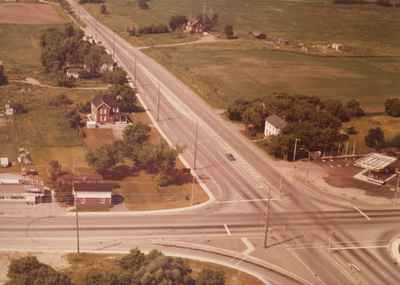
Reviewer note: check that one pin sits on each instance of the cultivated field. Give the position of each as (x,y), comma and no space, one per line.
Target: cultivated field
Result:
(367,27)
(30,13)
(223,72)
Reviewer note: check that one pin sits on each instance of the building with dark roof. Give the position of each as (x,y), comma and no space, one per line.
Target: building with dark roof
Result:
(92,194)
(104,109)
(274,125)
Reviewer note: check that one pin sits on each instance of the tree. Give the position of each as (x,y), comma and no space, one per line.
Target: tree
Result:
(133,261)
(136,133)
(103,9)
(236,109)
(395,142)
(210,277)
(392,107)
(101,278)
(143,4)
(93,61)
(177,22)
(353,108)
(255,115)
(165,270)
(3,77)
(229,33)
(54,170)
(118,76)
(74,119)
(375,138)
(125,97)
(19,108)
(103,158)
(21,266)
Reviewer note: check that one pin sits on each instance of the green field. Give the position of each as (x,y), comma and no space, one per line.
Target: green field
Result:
(367,27)
(223,72)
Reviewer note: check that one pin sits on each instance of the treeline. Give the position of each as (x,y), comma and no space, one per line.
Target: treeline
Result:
(135,268)
(313,122)
(91,1)
(386,3)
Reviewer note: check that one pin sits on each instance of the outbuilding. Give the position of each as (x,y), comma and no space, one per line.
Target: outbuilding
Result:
(92,195)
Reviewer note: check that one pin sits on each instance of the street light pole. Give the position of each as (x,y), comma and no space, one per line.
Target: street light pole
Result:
(397,185)
(192,199)
(267,220)
(295,149)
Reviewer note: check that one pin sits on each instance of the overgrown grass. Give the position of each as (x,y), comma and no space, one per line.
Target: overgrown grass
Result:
(390,126)
(367,27)
(223,72)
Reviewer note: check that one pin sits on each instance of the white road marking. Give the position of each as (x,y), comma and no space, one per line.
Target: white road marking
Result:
(227,230)
(249,245)
(359,247)
(361,212)
(245,201)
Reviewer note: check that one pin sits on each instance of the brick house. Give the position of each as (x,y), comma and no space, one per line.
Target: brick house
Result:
(104,109)
(92,195)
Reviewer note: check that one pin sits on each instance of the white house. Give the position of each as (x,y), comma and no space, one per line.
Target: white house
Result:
(4,162)
(274,125)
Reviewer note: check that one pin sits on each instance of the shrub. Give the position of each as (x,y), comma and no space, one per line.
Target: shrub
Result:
(392,107)
(177,22)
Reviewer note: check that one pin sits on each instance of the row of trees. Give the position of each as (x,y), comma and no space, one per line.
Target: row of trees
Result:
(313,122)
(135,146)
(135,268)
(386,3)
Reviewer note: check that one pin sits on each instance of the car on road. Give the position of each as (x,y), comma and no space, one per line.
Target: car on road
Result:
(230,157)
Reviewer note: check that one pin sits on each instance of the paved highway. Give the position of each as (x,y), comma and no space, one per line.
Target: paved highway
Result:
(303,220)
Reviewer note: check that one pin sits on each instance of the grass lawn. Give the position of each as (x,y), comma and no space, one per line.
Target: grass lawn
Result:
(223,72)
(390,126)
(43,130)
(368,27)
(81,265)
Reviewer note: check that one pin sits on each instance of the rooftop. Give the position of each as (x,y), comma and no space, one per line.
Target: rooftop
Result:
(276,121)
(375,161)
(106,99)
(93,187)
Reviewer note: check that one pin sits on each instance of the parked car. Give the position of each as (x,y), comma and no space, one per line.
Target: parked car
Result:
(230,157)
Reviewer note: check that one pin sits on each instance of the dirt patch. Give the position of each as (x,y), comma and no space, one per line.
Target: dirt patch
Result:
(29,13)
(95,138)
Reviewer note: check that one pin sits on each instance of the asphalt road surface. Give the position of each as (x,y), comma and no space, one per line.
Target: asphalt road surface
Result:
(327,241)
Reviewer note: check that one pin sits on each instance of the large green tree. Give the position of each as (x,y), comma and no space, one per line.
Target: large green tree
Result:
(375,138)
(104,158)
(392,107)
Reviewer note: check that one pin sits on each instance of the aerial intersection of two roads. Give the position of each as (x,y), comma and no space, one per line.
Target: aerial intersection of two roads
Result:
(311,239)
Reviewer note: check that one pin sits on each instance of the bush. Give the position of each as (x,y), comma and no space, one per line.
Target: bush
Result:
(177,22)
(143,4)
(229,31)
(64,81)
(117,77)
(19,108)
(153,29)
(392,107)
(3,77)
(210,277)
(375,138)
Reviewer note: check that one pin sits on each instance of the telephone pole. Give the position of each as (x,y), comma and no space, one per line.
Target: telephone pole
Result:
(196,134)
(397,185)
(158,102)
(135,71)
(267,219)
(76,210)
(295,149)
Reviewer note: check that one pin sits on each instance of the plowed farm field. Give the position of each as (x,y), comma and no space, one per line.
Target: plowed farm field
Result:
(29,13)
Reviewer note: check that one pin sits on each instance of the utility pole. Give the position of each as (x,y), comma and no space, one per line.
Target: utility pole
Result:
(267,219)
(76,210)
(135,72)
(331,237)
(295,149)
(192,199)
(158,102)
(397,185)
(77,223)
(196,134)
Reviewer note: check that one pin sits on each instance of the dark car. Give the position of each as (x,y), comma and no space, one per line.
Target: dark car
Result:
(230,157)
